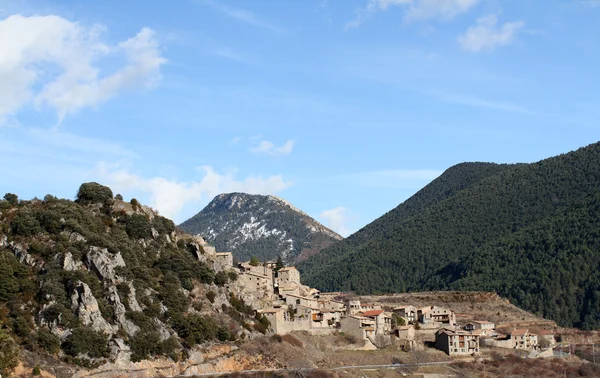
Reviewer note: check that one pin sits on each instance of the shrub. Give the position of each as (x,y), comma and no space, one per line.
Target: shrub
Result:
(232,275)
(163,225)
(92,192)
(211,296)
(85,340)
(119,197)
(223,334)
(195,329)
(25,224)
(221,278)
(137,226)
(261,324)
(36,371)
(12,199)
(9,353)
(254,261)
(134,204)
(47,341)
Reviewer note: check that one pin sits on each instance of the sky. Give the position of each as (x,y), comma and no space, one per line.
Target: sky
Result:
(345,108)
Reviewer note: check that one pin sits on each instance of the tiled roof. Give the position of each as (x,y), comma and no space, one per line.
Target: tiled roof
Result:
(518,332)
(372,313)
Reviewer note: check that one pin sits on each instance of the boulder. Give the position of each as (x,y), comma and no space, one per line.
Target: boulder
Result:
(132,299)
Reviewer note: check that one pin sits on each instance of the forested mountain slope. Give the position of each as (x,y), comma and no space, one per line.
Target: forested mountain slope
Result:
(263,226)
(421,244)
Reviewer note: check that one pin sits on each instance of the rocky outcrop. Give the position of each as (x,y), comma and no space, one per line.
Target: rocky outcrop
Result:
(132,298)
(74,237)
(85,306)
(21,253)
(70,264)
(120,310)
(104,262)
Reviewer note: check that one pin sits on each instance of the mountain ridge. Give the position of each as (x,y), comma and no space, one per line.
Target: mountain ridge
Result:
(264,226)
(408,248)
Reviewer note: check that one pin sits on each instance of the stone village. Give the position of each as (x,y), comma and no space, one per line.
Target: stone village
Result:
(291,306)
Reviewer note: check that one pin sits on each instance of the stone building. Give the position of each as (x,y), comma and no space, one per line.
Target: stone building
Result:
(456,342)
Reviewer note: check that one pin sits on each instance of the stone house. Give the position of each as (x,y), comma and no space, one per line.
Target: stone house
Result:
(456,342)
(521,338)
(355,307)
(408,313)
(293,301)
(288,275)
(548,336)
(225,258)
(479,324)
(404,332)
(383,321)
(361,327)
(435,314)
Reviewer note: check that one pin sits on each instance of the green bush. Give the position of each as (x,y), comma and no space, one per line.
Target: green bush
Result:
(9,353)
(232,275)
(195,329)
(211,296)
(12,199)
(221,278)
(137,226)
(36,371)
(163,225)
(25,223)
(92,192)
(86,340)
(47,341)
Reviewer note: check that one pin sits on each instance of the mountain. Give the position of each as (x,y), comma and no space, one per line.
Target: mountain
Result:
(262,226)
(99,279)
(526,231)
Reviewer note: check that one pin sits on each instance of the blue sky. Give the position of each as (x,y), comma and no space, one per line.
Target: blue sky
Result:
(344,108)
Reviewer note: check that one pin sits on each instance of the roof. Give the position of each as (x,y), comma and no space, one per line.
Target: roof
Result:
(271,310)
(372,313)
(360,317)
(519,332)
(452,332)
(478,332)
(481,322)
(287,268)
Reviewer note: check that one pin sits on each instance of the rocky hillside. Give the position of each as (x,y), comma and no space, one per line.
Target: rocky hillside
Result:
(526,231)
(100,279)
(262,226)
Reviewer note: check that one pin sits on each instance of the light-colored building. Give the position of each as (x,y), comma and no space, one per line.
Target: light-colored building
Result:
(359,326)
(405,332)
(479,324)
(355,307)
(288,275)
(294,301)
(548,336)
(522,339)
(225,258)
(408,313)
(456,342)
(435,314)
(383,321)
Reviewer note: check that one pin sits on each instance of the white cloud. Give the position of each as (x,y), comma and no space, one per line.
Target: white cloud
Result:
(170,197)
(440,9)
(48,60)
(337,219)
(266,147)
(414,9)
(485,35)
(243,15)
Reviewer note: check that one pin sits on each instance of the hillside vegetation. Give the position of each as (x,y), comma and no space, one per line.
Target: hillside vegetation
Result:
(99,278)
(526,231)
